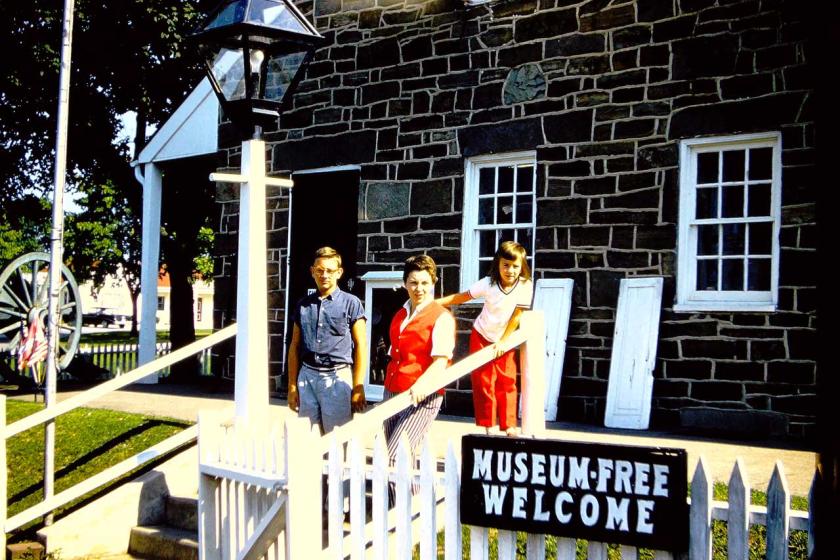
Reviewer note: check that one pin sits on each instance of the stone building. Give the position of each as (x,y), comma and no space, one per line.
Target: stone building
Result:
(612,138)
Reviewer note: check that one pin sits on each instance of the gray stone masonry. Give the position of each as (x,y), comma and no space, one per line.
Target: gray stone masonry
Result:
(603,91)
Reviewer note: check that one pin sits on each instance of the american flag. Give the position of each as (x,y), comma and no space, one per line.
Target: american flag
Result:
(33,345)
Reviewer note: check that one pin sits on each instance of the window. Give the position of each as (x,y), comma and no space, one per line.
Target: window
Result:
(730,191)
(499,205)
(199,307)
(161,303)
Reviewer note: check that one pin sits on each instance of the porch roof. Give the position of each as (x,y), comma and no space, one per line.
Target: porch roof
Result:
(192,130)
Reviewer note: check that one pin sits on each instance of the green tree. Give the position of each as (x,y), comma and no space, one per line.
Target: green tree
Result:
(105,239)
(127,57)
(186,243)
(24,225)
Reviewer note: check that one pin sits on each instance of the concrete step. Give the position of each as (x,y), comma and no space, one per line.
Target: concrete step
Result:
(182,513)
(163,543)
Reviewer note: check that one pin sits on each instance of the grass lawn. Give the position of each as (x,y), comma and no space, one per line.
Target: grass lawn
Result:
(87,441)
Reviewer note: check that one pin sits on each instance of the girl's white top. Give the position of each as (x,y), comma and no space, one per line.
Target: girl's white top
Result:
(499,305)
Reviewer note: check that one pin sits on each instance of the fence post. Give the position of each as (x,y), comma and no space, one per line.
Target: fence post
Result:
(700,515)
(452,536)
(778,515)
(209,537)
(532,364)
(303,484)
(738,520)
(3,479)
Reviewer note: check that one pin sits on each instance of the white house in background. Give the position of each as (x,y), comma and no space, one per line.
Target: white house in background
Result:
(114,295)
(202,303)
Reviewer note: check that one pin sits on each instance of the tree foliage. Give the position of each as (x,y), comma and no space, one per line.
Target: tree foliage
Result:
(127,56)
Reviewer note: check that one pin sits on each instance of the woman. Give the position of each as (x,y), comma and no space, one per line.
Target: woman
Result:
(422,341)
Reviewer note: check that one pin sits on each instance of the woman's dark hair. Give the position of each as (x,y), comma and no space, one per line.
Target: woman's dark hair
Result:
(420,262)
(510,250)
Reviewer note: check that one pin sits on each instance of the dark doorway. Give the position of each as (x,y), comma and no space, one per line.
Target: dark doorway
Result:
(324,212)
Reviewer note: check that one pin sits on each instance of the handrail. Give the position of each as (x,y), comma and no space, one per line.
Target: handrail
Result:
(128,378)
(372,420)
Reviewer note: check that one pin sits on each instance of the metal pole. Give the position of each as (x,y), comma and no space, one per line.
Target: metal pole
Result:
(57,249)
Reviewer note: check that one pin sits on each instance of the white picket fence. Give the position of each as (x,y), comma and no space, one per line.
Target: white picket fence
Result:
(260,491)
(249,484)
(119,358)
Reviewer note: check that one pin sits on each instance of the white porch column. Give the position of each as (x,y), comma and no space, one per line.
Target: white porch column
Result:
(251,384)
(152,189)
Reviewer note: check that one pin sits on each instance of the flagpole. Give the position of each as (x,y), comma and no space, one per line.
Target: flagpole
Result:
(57,249)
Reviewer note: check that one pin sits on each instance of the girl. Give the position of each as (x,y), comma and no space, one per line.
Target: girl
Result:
(506,292)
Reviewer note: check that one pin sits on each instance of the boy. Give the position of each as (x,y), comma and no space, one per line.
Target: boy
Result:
(328,341)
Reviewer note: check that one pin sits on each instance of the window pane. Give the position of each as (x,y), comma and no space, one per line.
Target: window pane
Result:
(761,163)
(761,239)
(733,201)
(733,274)
(524,237)
(504,210)
(733,239)
(707,240)
(486,243)
(525,178)
(733,165)
(485,211)
(759,200)
(487,180)
(707,274)
(707,203)
(505,179)
(524,209)
(707,167)
(507,235)
(758,275)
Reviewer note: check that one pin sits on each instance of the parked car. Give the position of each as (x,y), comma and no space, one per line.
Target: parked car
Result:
(105,317)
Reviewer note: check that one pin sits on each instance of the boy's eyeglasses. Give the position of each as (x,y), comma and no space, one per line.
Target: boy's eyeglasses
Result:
(325,271)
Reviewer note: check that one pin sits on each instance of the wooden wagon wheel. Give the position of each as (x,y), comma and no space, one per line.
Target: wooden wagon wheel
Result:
(24,292)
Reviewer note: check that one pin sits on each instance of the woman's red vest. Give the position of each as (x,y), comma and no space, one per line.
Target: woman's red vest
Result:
(411,349)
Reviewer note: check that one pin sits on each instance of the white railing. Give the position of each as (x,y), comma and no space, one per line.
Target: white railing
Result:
(112,473)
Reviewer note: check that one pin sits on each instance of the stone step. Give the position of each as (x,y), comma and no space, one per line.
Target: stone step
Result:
(182,513)
(159,542)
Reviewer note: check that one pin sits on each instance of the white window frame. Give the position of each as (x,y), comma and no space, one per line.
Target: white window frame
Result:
(471,228)
(688,297)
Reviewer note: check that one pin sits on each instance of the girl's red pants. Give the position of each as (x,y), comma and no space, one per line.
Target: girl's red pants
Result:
(494,387)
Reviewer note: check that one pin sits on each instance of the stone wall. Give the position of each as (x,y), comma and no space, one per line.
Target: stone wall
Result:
(603,91)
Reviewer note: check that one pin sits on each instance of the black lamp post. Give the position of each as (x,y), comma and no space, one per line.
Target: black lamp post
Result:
(254,51)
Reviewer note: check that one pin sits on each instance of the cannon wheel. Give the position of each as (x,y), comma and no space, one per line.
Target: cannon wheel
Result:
(24,293)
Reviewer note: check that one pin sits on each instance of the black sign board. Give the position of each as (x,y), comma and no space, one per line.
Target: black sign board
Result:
(608,493)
